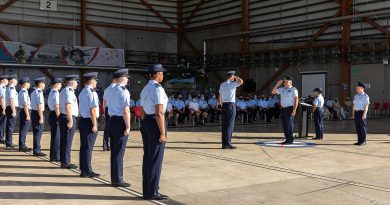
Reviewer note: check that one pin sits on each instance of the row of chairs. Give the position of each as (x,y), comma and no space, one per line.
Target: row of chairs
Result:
(381,110)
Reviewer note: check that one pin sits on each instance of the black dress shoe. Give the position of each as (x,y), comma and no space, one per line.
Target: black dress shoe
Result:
(360,143)
(316,138)
(24,149)
(92,175)
(157,198)
(40,154)
(286,143)
(83,175)
(122,184)
(2,141)
(54,160)
(10,146)
(68,166)
(229,147)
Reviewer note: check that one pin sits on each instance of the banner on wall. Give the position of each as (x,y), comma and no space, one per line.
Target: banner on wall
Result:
(15,52)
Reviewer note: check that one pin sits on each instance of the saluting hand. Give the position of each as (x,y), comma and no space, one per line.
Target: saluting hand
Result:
(280,82)
(163,139)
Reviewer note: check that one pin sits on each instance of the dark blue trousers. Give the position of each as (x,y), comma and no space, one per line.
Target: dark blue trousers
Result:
(288,123)
(54,137)
(24,126)
(37,131)
(153,156)
(361,126)
(66,138)
(87,142)
(106,134)
(229,117)
(3,120)
(10,125)
(118,144)
(319,122)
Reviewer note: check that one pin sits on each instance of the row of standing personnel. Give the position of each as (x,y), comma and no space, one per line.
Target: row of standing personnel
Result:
(65,109)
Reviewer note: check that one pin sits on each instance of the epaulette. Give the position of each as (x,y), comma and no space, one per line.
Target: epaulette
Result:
(39,91)
(92,90)
(70,89)
(123,87)
(12,88)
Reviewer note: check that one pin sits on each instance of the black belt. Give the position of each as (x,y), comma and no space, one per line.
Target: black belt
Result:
(227,103)
(287,107)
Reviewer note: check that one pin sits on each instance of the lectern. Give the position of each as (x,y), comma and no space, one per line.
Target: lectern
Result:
(304,113)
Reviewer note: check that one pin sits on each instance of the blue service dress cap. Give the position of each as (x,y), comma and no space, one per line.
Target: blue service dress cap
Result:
(71,77)
(89,76)
(24,80)
(318,90)
(156,68)
(288,78)
(3,77)
(231,73)
(13,76)
(359,84)
(56,80)
(40,80)
(121,73)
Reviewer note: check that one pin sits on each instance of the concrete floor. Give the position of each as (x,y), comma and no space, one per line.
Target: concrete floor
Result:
(197,171)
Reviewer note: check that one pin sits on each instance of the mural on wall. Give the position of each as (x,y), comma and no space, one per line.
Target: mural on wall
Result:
(15,52)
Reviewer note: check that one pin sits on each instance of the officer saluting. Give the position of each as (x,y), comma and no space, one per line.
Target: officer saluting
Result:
(12,102)
(119,126)
(88,127)
(3,117)
(361,103)
(37,121)
(106,102)
(67,120)
(24,119)
(154,103)
(227,98)
(318,111)
(53,101)
(289,102)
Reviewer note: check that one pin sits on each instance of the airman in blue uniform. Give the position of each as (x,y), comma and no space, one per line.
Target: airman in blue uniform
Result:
(24,118)
(12,103)
(154,103)
(318,110)
(106,103)
(361,102)
(3,116)
(88,126)
(119,126)
(67,120)
(37,116)
(289,103)
(214,111)
(227,98)
(53,101)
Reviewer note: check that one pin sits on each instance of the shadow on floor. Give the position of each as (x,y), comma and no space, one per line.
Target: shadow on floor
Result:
(40,195)
(26,167)
(9,174)
(31,183)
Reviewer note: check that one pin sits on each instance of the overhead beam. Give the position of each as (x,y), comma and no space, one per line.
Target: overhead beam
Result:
(197,7)
(275,76)
(38,25)
(98,36)
(6,5)
(321,30)
(130,27)
(210,26)
(4,36)
(179,27)
(151,8)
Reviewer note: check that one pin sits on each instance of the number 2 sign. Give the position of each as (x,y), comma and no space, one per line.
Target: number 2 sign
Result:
(50,5)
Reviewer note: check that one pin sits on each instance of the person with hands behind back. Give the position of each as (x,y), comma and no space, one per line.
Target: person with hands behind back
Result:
(361,102)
